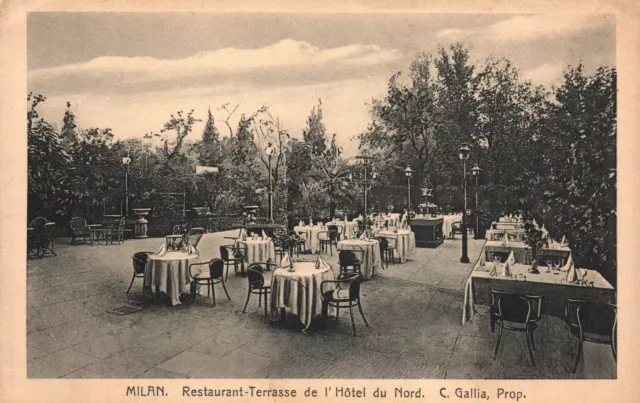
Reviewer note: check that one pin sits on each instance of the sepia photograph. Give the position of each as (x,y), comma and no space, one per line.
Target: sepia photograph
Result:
(266,195)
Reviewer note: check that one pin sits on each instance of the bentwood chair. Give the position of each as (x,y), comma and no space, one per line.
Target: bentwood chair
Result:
(180,229)
(387,249)
(139,264)
(511,310)
(209,278)
(340,298)
(592,322)
(326,239)
(195,234)
(38,223)
(79,229)
(235,258)
(351,258)
(257,285)
(300,240)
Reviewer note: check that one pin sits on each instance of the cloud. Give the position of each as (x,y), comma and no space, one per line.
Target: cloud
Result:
(546,74)
(285,62)
(453,33)
(527,28)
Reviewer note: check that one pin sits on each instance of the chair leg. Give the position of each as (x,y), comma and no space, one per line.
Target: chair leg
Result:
(131,284)
(259,298)
(325,313)
(492,320)
(533,339)
(578,356)
(337,311)
(495,353)
(193,291)
(362,314)
(530,347)
(213,293)
(353,322)
(265,305)
(247,301)
(224,287)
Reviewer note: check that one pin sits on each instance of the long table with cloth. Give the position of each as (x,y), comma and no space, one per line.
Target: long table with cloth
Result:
(552,285)
(299,291)
(258,250)
(347,229)
(168,272)
(371,261)
(311,235)
(515,234)
(522,252)
(405,241)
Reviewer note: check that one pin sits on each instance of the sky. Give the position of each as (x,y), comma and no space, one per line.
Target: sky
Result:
(131,71)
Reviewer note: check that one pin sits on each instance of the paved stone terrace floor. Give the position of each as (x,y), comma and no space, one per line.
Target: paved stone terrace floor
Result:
(414,311)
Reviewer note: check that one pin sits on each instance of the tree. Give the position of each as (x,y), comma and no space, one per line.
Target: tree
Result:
(182,126)
(314,134)
(68,132)
(209,149)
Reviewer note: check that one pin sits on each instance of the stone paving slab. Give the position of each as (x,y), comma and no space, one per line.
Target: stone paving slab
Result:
(413,309)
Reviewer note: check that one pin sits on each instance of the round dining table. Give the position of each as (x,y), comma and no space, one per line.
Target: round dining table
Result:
(371,261)
(298,291)
(405,242)
(311,235)
(258,250)
(347,229)
(169,273)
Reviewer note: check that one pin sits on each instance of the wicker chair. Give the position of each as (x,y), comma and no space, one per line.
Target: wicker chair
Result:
(79,229)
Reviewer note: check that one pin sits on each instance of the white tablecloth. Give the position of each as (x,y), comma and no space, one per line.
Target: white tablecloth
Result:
(371,261)
(169,273)
(299,291)
(405,241)
(258,250)
(447,223)
(348,230)
(311,234)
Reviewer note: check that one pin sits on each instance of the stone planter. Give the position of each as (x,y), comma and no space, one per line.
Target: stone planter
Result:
(140,226)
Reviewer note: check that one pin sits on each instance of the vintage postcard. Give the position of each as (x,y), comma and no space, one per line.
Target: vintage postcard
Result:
(340,202)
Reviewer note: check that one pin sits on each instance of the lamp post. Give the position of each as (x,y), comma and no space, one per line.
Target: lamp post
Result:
(269,150)
(464,156)
(365,158)
(374,176)
(126,161)
(476,170)
(408,172)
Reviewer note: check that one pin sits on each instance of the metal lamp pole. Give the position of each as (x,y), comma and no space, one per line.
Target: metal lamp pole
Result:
(408,171)
(476,172)
(269,150)
(464,155)
(126,161)
(365,157)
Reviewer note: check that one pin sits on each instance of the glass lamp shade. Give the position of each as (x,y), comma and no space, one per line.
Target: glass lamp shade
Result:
(476,170)
(126,160)
(408,172)
(269,150)
(463,152)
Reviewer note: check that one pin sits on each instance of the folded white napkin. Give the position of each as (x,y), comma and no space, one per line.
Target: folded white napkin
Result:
(505,240)
(311,222)
(494,271)
(545,233)
(286,261)
(506,269)
(569,265)
(264,235)
(563,242)
(511,259)
(571,270)
(192,250)
(481,262)
(322,264)
(301,224)
(549,243)
(162,251)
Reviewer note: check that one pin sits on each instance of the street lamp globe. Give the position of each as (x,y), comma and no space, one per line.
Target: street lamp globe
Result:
(126,160)
(463,152)
(476,170)
(269,150)
(408,172)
